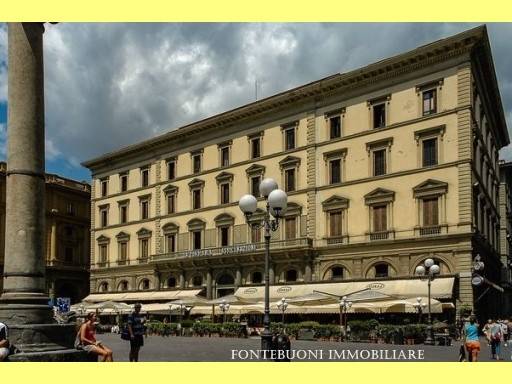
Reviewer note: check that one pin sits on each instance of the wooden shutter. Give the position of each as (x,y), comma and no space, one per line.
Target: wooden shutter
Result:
(430,212)
(379,218)
(290,228)
(335,223)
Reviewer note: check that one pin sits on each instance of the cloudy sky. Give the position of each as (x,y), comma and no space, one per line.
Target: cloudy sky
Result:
(110,85)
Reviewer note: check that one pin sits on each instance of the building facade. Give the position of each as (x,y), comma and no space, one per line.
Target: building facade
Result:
(505,204)
(384,167)
(67,250)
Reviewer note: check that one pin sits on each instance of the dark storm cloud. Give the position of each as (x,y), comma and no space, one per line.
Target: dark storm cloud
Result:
(109,85)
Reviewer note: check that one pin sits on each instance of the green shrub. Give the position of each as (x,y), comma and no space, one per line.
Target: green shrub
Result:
(187,323)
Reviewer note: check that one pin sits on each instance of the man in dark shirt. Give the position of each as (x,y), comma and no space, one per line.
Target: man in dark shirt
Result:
(4,342)
(136,330)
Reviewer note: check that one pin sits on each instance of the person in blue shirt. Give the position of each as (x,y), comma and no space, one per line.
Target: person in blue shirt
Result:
(136,329)
(472,339)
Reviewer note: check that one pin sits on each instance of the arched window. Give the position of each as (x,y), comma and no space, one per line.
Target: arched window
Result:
(123,286)
(104,287)
(337,273)
(291,275)
(225,279)
(171,282)
(256,277)
(144,284)
(381,270)
(197,281)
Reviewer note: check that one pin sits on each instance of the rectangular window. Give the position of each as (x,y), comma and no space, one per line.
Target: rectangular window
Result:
(290,228)
(224,157)
(71,210)
(123,213)
(170,241)
(224,193)
(335,223)
(144,174)
(380,218)
(123,181)
(104,217)
(289,137)
(255,186)
(335,171)
(196,239)
(255,147)
(196,163)
(335,127)
(289,176)
(379,162)
(144,209)
(379,115)
(429,102)
(144,248)
(171,170)
(255,233)
(104,188)
(224,236)
(171,203)
(196,199)
(429,152)
(103,253)
(123,251)
(430,212)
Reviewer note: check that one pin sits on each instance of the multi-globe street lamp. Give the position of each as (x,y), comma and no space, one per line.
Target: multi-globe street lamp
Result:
(276,203)
(282,305)
(420,307)
(224,307)
(428,271)
(345,305)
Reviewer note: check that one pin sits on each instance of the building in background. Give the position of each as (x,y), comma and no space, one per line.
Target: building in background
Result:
(506,232)
(385,166)
(67,235)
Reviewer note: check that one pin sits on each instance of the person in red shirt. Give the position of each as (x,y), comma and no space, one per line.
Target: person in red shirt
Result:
(88,342)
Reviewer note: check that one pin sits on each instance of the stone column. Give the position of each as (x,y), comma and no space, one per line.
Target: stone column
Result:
(209,288)
(53,240)
(238,278)
(307,272)
(182,279)
(24,303)
(24,280)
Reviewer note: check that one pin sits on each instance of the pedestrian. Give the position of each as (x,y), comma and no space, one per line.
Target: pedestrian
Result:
(136,329)
(504,331)
(487,331)
(472,339)
(4,342)
(86,339)
(496,336)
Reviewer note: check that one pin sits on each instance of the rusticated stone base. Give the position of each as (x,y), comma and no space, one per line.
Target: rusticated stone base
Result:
(52,356)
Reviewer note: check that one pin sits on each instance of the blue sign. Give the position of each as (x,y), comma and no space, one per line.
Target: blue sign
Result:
(63,304)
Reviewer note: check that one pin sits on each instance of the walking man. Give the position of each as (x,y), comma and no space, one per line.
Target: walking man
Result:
(136,330)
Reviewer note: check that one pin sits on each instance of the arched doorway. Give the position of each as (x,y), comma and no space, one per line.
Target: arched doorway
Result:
(225,285)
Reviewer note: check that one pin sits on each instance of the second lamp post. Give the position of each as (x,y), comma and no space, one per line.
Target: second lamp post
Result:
(276,203)
(428,271)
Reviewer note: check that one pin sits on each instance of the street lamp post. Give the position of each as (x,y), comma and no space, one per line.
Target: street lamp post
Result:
(224,307)
(344,307)
(428,271)
(282,305)
(276,203)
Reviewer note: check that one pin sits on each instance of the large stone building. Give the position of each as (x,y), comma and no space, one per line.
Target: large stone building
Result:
(505,208)
(384,166)
(67,235)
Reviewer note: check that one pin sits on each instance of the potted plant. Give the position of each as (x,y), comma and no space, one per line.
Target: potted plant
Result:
(307,330)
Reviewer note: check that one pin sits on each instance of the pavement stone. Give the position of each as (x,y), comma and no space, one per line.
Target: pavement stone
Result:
(169,349)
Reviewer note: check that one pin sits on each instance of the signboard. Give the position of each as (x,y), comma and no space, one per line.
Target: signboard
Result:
(477,280)
(63,304)
(231,250)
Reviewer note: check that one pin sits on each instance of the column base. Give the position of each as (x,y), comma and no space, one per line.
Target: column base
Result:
(52,356)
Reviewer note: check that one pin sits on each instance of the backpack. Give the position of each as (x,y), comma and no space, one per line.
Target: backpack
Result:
(125,333)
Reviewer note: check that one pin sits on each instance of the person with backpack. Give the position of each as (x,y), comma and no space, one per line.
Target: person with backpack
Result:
(4,342)
(136,330)
(496,336)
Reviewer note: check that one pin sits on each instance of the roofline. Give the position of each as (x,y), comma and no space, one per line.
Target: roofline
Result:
(467,39)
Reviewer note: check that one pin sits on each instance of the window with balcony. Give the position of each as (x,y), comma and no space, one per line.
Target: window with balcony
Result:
(255,233)
(144,249)
(290,231)
(224,236)
(430,197)
(196,240)
(335,223)
(170,243)
(123,252)
(379,214)
(430,212)
(103,253)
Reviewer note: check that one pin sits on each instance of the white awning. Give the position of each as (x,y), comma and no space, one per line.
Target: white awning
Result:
(142,296)
(441,288)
